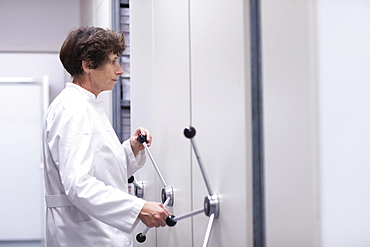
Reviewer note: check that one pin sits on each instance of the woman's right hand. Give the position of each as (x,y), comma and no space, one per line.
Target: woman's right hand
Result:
(153,214)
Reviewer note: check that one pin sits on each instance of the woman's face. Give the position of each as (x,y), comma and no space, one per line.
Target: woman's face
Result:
(106,76)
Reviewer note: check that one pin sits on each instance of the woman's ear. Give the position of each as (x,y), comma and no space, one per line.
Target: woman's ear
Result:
(85,66)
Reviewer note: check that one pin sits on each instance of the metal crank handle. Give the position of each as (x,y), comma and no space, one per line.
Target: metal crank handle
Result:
(209,229)
(138,186)
(171,220)
(132,180)
(142,140)
(141,237)
(190,132)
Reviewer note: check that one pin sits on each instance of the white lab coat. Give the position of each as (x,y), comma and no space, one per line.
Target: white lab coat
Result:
(85,162)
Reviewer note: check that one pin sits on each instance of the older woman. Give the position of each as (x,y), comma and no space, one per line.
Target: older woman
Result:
(86,167)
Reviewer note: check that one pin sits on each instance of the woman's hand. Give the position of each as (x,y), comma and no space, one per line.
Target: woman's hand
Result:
(153,214)
(136,146)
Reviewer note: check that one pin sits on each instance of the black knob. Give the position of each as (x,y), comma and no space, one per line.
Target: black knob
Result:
(141,138)
(189,132)
(170,220)
(140,238)
(131,179)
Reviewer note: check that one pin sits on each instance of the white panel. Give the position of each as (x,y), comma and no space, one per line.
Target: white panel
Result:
(160,102)
(21,188)
(344,54)
(167,99)
(142,94)
(172,112)
(221,112)
(290,123)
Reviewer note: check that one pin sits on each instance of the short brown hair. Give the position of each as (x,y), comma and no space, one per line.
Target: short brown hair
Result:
(90,44)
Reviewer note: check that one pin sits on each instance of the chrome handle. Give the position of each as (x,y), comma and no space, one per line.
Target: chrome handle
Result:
(190,132)
(138,186)
(141,237)
(211,206)
(142,139)
(209,229)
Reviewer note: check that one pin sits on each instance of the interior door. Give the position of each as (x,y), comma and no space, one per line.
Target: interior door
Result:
(21,187)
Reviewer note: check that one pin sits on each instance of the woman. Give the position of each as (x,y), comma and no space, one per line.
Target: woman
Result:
(85,166)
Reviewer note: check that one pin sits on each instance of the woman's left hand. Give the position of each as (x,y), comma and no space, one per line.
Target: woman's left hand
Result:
(136,146)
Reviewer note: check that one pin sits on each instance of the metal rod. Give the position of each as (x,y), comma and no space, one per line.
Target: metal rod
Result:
(183,216)
(145,231)
(201,168)
(166,202)
(209,228)
(155,165)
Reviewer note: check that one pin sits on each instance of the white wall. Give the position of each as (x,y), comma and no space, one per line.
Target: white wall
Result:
(37,25)
(344,89)
(98,13)
(35,65)
(33,29)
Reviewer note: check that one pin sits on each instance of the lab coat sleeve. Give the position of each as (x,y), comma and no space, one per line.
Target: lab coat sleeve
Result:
(70,139)
(133,162)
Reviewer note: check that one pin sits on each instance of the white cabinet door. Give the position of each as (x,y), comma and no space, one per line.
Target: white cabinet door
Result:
(160,98)
(221,113)
(190,65)
(171,111)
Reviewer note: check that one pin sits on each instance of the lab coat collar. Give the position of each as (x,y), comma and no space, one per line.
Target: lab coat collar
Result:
(89,95)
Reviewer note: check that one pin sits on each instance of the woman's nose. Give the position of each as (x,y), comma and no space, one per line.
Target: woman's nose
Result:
(120,70)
